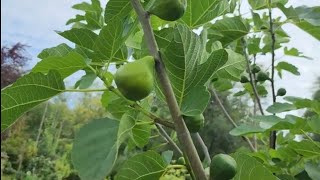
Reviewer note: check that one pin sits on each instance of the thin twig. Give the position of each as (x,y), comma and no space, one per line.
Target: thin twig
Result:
(165,135)
(181,128)
(203,146)
(273,135)
(254,88)
(225,112)
(41,123)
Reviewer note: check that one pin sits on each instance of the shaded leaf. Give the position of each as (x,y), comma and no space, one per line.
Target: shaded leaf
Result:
(144,166)
(306,148)
(86,80)
(95,148)
(244,129)
(280,107)
(233,68)
(249,168)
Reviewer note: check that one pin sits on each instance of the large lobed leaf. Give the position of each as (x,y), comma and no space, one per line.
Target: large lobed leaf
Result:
(144,166)
(111,39)
(272,122)
(95,148)
(58,51)
(26,93)
(228,29)
(96,145)
(66,65)
(83,37)
(116,9)
(201,12)
(250,168)
(182,51)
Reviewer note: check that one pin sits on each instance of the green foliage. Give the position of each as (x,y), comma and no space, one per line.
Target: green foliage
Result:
(124,140)
(26,93)
(148,165)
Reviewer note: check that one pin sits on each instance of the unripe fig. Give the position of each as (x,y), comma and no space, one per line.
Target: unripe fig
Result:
(255,68)
(281,92)
(181,161)
(261,76)
(194,123)
(169,10)
(223,167)
(244,79)
(154,109)
(135,79)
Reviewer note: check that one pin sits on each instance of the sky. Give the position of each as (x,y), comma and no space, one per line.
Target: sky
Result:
(33,22)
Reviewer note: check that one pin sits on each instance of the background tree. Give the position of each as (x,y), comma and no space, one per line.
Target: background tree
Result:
(13,60)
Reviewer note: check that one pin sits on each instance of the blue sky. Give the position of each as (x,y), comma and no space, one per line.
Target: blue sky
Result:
(33,22)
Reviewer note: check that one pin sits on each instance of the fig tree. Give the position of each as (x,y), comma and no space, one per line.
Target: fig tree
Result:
(223,167)
(281,92)
(169,10)
(135,79)
(194,123)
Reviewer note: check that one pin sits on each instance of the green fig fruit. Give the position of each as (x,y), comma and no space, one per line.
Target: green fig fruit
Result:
(181,161)
(281,92)
(261,76)
(135,79)
(169,10)
(223,167)
(255,68)
(244,79)
(194,123)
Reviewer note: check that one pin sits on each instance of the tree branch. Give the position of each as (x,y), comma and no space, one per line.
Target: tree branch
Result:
(165,135)
(225,112)
(251,79)
(273,135)
(181,129)
(203,146)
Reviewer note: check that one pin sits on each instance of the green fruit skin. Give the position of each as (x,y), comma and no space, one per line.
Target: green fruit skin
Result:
(244,79)
(169,10)
(281,92)
(135,80)
(261,76)
(223,167)
(255,69)
(194,123)
(181,161)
